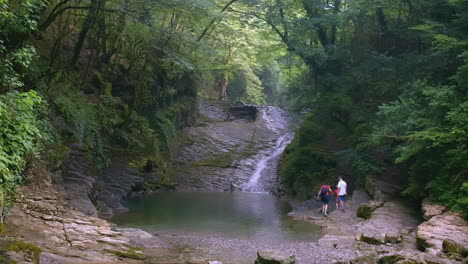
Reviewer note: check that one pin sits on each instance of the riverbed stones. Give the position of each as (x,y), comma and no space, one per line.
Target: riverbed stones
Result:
(269,256)
(431,234)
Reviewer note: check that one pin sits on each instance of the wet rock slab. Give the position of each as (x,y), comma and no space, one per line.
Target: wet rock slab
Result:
(42,216)
(388,223)
(221,151)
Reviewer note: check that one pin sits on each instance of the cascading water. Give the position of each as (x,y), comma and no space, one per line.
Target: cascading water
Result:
(265,169)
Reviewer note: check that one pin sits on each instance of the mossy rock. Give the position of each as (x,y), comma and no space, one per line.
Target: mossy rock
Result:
(27,251)
(372,239)
(130,253)
(56,156)
(366,209)
(450,246)
(396,259)
(223,160)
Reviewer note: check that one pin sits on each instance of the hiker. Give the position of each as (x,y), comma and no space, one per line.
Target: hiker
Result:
(341,192)
(324,195)
(335,194)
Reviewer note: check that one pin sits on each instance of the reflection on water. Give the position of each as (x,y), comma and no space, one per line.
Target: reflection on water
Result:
(233,214)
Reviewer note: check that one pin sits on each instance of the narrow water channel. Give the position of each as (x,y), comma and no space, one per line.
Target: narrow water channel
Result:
(241,215)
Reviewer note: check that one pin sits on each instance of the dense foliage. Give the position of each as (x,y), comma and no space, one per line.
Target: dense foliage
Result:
(24,130)
(427,128)
(388,79)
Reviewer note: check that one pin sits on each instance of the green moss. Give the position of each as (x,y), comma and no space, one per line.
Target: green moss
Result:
(223,160)
(130,253)
(33,251)
(56,155)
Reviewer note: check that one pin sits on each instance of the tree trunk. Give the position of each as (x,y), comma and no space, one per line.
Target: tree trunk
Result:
(222,87)
(87,25)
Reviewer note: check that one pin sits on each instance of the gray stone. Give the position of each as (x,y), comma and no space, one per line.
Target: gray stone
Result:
(396,258)
(367,259)
(373,238)
(381,190)
(392,238)
(387,223)
(365,210)
(268,256)
(18,258)
(450,246)
(142,239)
(429,209)
(433,232)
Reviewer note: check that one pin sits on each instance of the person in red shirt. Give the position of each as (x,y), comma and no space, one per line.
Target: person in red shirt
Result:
(324,195)
(335,193)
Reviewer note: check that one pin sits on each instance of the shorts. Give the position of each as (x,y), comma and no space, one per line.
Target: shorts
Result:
(341,198)
(325,199)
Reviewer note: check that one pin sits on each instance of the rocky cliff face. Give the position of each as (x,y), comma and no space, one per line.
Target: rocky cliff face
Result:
(45,219)
(221,151)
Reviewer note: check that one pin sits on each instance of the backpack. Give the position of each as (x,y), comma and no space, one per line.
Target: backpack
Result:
(324,190)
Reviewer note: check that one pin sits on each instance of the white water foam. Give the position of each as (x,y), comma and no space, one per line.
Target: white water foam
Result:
(254,185)
(277,121)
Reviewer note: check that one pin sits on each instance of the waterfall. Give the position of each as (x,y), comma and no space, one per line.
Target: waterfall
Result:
(265,169)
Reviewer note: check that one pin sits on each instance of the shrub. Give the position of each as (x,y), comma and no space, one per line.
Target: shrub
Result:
(23,130)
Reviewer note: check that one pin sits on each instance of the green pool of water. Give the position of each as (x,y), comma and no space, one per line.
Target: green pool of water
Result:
(233,214)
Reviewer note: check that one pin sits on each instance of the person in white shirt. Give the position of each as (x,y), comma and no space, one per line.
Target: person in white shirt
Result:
(341,192)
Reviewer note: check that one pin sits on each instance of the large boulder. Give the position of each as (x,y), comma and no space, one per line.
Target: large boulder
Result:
(387,224)
(430,209)
(410,257)
(382,190)
(268,256)
(366,209)
(431,234)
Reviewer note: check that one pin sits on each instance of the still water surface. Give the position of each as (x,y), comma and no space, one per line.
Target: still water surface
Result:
(252,216)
